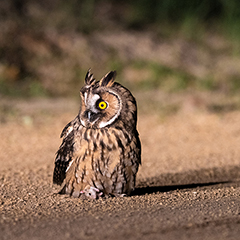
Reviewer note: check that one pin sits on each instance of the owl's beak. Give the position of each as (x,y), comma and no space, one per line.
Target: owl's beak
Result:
(89,113)
(91,116)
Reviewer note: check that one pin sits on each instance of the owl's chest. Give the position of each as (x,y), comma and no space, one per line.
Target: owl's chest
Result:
(98,150)
(105,159)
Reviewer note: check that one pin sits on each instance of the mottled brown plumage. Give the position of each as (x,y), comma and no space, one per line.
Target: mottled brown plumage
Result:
(101,151)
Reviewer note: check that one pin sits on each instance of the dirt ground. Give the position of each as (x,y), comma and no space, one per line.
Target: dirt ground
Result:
(188,186)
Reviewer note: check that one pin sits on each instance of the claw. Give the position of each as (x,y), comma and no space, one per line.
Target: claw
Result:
(91,192)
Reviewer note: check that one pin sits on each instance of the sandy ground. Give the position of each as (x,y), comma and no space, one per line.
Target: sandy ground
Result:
(188,186)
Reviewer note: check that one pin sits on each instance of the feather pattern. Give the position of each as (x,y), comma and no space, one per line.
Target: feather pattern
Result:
(97,159)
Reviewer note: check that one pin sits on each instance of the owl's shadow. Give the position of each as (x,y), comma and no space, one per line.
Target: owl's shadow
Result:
(156,189)
(202,178)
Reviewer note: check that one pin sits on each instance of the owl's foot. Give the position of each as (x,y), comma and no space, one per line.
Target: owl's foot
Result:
(122,195)
(91,192)
(117,195)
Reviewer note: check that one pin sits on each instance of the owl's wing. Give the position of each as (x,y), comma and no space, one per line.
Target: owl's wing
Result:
(64,154)
(139,147)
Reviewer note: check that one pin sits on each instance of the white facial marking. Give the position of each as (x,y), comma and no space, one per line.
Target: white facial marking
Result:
(104,124)
(92,98)
(85,98)
(90,102)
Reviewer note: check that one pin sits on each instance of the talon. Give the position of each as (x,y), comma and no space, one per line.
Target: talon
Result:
(91,192)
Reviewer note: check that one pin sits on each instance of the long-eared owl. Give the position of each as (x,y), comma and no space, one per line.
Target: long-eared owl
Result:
(100,151)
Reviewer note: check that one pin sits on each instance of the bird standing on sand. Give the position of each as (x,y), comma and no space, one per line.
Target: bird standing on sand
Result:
(101,151)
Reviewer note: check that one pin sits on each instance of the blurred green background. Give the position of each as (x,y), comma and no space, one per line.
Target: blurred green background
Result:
(46,47)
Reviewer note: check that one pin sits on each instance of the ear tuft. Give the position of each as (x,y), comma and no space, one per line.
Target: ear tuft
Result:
(108,79)
(89,80)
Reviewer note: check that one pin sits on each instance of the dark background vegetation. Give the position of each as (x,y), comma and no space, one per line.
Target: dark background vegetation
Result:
(46,47)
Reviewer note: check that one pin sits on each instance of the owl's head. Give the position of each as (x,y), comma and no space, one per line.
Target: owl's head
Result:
(106,103)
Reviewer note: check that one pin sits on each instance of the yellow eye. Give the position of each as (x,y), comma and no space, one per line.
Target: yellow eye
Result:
(102,105)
